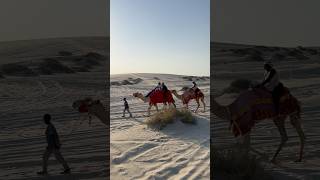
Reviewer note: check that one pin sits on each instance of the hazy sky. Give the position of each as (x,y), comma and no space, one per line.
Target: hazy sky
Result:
(34,19)
(266,22)
(160,36)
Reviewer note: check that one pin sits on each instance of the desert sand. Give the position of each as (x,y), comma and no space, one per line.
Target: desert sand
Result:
(299,70)
(25,97)
(178,151)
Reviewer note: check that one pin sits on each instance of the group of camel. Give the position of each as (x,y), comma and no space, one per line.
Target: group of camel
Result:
(96,108)
(185,97)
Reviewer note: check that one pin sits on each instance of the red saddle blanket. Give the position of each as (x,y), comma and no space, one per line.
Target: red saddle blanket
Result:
(255,105)
(159,96)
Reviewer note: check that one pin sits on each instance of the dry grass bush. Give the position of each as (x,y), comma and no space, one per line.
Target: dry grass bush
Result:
(237,164)
(169,116)
(52,66)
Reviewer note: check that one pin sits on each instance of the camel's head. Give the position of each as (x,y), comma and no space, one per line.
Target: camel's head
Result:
(174,91)
(76,104)
(136,94)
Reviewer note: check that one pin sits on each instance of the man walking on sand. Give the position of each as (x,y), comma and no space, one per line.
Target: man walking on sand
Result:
(53,147)
(126,107)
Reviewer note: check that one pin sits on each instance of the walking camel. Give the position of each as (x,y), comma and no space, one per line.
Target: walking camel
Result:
(190,94)
(91,107)
(156,97)
(226,113)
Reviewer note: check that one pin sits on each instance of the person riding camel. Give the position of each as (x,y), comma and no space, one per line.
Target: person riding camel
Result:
(158,87)
(272,83)
(195,87)
(164,89)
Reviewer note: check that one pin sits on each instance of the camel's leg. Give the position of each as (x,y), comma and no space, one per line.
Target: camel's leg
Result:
(295,121)
(157,107)
(149,108)
(174,105)
(89,119)
(164,106)
(197,100)
(279,122)
(204,104)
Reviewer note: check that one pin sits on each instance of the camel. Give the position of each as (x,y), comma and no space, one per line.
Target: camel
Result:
(225,112)
(188,95)
(91,107)
(154,98)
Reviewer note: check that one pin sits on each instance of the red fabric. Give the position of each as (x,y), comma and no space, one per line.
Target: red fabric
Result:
(158,96)
(254,106)
(83,108)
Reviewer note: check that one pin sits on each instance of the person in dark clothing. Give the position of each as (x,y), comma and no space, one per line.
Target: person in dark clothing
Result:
(126,107)
(272,84)
(158,87)
(164,90)
(53,147)
(195,87)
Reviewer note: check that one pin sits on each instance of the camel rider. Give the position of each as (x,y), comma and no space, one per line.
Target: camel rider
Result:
(158,87)
(272,84)
(164,89)
(195,87)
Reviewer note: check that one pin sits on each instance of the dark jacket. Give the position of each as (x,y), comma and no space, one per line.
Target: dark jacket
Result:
(126,105)
(52,137)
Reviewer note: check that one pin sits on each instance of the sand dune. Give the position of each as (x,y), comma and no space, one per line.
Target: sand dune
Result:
(179,151)
(24,100)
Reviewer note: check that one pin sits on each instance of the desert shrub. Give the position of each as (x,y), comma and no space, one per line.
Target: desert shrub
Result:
(238,85)
(156,78)
(86,62)
(52,66)
(237,164)
(168,116)
(94,55)
(126,82)
(17,70)
(136,81)
(65,53)
(188,78)
(115,83)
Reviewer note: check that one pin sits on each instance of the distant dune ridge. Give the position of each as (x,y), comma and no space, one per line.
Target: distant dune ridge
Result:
(52,56)
(262,53)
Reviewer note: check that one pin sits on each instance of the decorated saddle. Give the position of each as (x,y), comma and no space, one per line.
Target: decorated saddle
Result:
(255,105)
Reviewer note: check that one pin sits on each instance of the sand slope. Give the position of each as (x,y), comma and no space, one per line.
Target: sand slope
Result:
(24,100)
(179,151)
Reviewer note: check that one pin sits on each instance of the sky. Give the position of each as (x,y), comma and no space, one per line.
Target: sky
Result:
(287,23)
(38,19)
(160,36)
